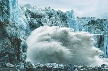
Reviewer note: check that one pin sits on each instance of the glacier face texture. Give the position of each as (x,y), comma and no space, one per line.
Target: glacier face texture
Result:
(16,24)
(98,27)
(13,32)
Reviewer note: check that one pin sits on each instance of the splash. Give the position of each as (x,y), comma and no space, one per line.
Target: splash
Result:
(61,45)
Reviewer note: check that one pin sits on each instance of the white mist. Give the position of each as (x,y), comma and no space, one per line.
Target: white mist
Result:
(61,45)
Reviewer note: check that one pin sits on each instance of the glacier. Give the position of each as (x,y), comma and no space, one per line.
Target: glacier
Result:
(16,24)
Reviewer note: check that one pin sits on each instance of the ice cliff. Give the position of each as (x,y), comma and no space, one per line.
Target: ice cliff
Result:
(17,22)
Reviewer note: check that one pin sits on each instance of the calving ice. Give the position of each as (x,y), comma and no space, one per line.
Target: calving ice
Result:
(50,44)
(62,45)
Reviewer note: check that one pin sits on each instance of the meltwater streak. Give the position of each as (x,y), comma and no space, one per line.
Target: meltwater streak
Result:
(61,45)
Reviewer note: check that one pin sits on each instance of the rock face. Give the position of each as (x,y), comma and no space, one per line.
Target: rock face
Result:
(16,23)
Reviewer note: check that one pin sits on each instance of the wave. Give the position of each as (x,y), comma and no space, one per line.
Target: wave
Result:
(62,45)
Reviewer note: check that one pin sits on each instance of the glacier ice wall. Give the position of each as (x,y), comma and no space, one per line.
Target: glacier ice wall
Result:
(95,26)
(40,17)
(13,31)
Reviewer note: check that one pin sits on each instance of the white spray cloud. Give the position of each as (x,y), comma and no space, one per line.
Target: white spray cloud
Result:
(61,45)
